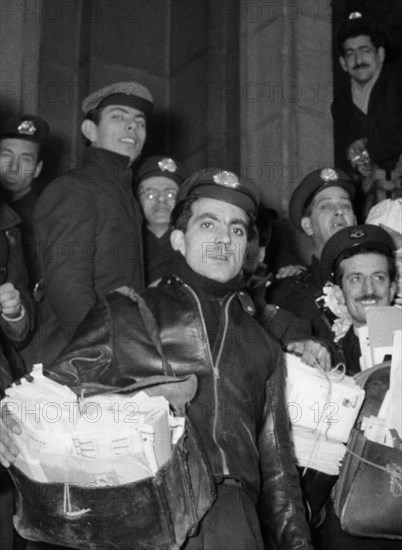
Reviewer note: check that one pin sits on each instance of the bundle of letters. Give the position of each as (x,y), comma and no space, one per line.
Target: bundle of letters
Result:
(107,439)
(322,408)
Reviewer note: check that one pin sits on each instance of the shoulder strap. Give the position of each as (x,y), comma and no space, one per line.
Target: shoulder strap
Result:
(151,326)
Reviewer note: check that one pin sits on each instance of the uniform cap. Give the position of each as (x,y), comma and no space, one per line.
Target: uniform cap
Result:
(312,184)
(131,94)
(221,185)
(27,127)
(160,165)
(350,241)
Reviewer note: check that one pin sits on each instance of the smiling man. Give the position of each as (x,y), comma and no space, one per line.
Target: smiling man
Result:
(368,113)
(361,261)
(320,206)
(87,222)
(204,318)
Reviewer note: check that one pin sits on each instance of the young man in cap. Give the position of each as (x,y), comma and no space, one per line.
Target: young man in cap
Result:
(360,260)
(205,323)
(320,206)
(87,222)
(22,140)
(158,181)
(368,114)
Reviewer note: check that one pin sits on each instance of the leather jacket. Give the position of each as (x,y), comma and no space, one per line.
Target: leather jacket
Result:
(239,407)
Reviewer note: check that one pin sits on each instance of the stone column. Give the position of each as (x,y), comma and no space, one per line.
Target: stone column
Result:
(20,33)
(286,90)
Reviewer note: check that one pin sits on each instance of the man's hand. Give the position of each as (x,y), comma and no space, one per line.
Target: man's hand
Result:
(8,448)
(10,302)
(312,353)
(359,158)
(290,271)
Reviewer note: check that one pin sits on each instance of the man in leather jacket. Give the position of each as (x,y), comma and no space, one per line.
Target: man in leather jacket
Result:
(206,326)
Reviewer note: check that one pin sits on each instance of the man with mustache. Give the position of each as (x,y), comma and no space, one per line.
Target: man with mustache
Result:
(360,260)
(88,222)
(320,206)
(368,114)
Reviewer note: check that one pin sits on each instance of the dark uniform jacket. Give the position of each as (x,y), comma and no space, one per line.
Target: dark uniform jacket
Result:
(158,255)
(88,232)
(382,126)
(13,335)
(298,295)
(239,407)
(350,347)
(25,207)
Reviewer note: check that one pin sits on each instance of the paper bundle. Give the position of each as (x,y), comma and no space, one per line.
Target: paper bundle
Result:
(315,451)
(322,408)
(107,439)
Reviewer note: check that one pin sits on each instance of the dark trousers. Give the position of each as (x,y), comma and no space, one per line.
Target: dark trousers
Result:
(231,524)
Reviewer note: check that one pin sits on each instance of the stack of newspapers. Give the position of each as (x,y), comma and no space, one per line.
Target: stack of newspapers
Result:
(107,439)
(322,409)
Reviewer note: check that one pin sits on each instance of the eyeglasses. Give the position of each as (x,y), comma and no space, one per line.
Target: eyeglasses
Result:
(167,195)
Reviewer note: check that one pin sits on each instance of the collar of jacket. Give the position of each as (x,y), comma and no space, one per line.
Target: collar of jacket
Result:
(8,218)
(114,167)
(243,297)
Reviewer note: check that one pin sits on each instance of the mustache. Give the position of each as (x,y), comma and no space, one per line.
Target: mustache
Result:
(366,297)
(361,66)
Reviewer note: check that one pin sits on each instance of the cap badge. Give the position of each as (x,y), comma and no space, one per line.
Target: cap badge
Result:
(167,165)
(357,234)
(328,174)
(27,127)
(229,179)
(354,15)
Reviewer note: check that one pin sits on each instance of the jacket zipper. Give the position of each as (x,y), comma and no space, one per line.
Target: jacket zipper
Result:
(215,370)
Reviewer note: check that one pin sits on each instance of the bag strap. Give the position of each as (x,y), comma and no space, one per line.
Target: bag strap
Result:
(152,329)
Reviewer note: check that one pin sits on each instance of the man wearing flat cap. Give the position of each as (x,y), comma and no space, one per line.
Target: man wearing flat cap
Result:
(367,115)
(158,180)
(320,206)
(87,222)
(22,139)
(203,317)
